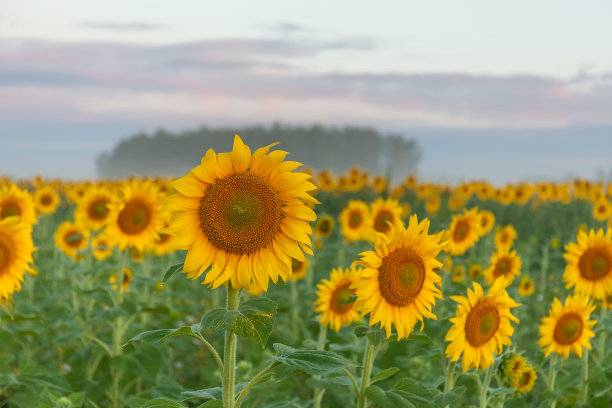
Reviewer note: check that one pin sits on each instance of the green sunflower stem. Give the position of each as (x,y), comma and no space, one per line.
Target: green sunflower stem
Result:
(484,387)
(229,351)
(319,392)
(118,332)
(552,375)
(295,310)
(584,393)
(450,374)
(368,362)
(601,341)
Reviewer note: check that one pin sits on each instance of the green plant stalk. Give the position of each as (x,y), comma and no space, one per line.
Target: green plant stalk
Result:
(319,392)
(484,387)
(118,332)
(544,270)
(585,377)
(229,351)
(552,375)
(295,310)
(368,362)
(450,380)
(253,382)
(601,341)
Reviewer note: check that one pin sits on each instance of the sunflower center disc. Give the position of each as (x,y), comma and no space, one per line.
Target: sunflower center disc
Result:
(240,213)
(502,267)
(134,218)
(10,209)
(594,264)
(45,200)
(401,276)
(354,219)
(481,323)
(295,264)
(380,223)
(461,230)
(568,328)
(324,226)
(73,238)
(339,298)
(98,210)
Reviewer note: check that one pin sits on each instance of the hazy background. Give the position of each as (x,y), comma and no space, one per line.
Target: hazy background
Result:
(495,89)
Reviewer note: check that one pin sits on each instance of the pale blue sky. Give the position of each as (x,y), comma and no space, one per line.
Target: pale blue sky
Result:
(76,76)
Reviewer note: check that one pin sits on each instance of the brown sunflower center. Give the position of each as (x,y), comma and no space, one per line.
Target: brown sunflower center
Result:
(296,265)
(163,238)
(98,209)
(73,238)
(45,199)
(6,254)
(462,229)
(484,221)
(401,276)
(502,267)
(135,217)
(240,213)
(355,219)
(595,264)
(10,208)
(380,222)
(525,378)
(339,298)
(568,328)
(324,226)
(481,323)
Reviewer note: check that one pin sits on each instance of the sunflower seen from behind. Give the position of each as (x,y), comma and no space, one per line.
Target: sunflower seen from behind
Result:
(332,299)
(464,231)
(504,263)
(567,327)
(398,286)
(355,220)
(243,216)
(16,248)
(482,325)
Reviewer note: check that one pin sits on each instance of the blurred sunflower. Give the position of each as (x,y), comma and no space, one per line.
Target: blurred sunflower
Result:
(136,218)
(71,238)
(567,326)
(101,247)
(484,191)
(325,181)
(511,366)
(127,279)
(481,326)
(46,200)
(432,204)
(243,216)
(602,209)
(475,271)
(411,181)
(525,381)
(92,208)
(380,184)
(504,263)
(589,264)
(526,286)
(487,220)
(17,202)
(385,214)
(332,297)
(355,220)
(298,269)
(455,202)
(16,249)
(458,273)
(523,193)
(164,244)
(324,226)
(398,285)
(504,237)
(464,231)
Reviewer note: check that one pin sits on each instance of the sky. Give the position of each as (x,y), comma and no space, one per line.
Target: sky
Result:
(478,83)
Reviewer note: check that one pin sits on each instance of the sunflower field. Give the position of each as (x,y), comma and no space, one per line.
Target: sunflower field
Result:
(253,282)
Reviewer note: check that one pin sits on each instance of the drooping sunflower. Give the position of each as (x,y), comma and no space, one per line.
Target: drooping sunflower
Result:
(135,219)
(481,326)
(589,264)
(17,202)
(101,247)
(567,326)
(127,279)
(511,367)
(324,226)
(504,263)
(16,249)
(46,200)
(464,231)
(332,297)
(92,209)
(71,238)
(525,381)
(504,237)
(242,215)
(398,286)
(355,220)
(385,213)
(526,286)
(487,220)
(299,269)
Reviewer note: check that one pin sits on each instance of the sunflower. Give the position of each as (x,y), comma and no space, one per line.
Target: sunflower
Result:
(484,191)
(511,366)
(164,244)
(17,202)
(385,213)
(406,210)
(526,286)
(458,273)
(455,202)
(325,181)
(298,269)
(411,182)
(136,218)
(523,193)
(398,286)
(46,200)
(567,326)
(475,271)
(589,264)
(101,247)
(602,209)
(504,238)
(92,208)
(71,238)
(525,381)
(481,326)
(16,249)
(503,263)
(464,231)
(487,220)
(432,204)
(243,215)
(332,297)
(127,279)
(355,220)
(324,226)
(607,302)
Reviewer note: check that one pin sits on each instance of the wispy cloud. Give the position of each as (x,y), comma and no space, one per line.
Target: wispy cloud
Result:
(127,26)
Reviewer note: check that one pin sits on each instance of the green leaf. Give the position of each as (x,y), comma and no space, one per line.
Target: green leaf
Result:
(386,399)
(162,403)
(215,393)
(375,335)
(349,300)
(254,319)
(383,375)
(155,336)
(171,271)
(211,404)
(501,391)
(313,362)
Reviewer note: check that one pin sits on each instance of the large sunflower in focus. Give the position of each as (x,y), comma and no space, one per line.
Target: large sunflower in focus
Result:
(504,263)
(136,218)
(589,264)
(93,208)
(567,327)
(481,326)
(243,216)
(385,214)
(355,220)
(46,199)
(398,285)
(16,249)
(464,231)
(332,297)
(17,202)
